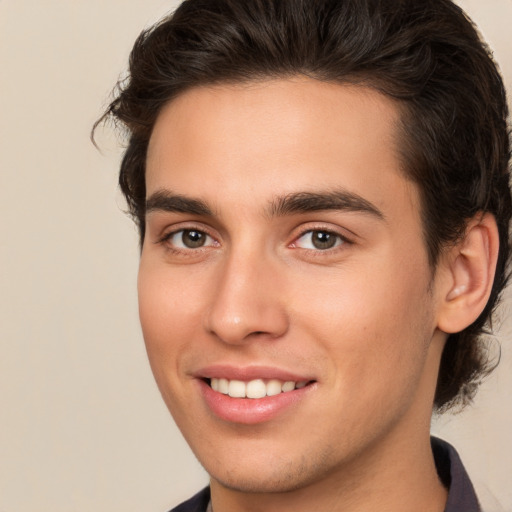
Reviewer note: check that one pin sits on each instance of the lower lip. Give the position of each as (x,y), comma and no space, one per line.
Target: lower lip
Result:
(250,411)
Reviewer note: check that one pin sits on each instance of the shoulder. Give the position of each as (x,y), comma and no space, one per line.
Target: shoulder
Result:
(197,503)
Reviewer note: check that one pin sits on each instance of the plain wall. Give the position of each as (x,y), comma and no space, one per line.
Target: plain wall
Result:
(82,426)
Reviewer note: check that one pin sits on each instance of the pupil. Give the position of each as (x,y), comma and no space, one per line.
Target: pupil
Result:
(323,240)
(193,239)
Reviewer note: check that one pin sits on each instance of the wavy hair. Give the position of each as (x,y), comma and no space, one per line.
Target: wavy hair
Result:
(426,54)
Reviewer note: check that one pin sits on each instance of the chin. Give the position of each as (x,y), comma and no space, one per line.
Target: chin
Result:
(272,476)
(250,483)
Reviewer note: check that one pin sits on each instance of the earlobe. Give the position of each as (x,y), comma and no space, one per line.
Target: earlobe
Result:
(468,274)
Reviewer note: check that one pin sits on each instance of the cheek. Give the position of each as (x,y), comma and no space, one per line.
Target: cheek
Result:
(373,325)
(166,311)
(169,298)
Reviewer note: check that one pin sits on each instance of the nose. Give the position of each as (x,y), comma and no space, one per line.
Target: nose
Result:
(248,301)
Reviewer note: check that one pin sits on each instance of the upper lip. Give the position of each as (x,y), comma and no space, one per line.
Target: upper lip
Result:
(248,373)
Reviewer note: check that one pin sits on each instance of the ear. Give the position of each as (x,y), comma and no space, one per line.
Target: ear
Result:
(467,274)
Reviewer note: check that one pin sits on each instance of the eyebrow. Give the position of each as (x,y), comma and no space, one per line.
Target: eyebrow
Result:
(164,200)
(304,202)
(298,202)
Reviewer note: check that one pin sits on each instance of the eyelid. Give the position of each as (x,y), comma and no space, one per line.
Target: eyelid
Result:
(338,232)
(170,231)
(173,239)
(337,242)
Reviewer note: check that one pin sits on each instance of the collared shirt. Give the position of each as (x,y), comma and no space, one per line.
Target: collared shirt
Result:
(461,494)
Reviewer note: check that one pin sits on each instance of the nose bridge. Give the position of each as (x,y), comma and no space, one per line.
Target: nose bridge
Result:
(247,300)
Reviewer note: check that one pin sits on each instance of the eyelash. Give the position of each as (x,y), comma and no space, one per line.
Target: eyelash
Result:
(166,240)
(339,240)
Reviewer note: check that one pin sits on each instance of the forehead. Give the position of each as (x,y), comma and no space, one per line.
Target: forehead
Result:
(278,135)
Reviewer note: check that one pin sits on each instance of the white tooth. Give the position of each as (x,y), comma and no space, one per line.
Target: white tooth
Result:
(301,384)
(214,383)
(273,387)
(256,389)
(224,386)
(236,389)
(288,386)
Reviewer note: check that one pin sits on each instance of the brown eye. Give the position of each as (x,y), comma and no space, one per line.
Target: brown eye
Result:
(323,240)
(189,239)
(319,240)
(193,239)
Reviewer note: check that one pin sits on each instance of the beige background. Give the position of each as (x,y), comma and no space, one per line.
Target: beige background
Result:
(82,427)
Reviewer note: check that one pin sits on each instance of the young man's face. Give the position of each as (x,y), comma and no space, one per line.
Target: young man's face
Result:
(284,244)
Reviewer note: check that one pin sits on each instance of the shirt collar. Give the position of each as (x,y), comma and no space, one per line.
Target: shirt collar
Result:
(461,494)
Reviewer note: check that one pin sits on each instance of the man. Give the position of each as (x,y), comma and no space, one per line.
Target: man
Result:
(322,194)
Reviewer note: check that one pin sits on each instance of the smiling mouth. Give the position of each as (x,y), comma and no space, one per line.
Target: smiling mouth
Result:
(257,388)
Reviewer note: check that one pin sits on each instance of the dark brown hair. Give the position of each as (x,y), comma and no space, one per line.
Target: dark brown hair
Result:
(424,53)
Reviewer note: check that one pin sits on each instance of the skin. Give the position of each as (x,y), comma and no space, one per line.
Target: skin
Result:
(361,319)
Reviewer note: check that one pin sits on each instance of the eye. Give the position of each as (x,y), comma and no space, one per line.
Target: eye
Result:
(189,239)
(319,240)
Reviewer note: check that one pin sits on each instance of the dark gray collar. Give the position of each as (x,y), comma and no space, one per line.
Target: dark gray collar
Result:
(461,494)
